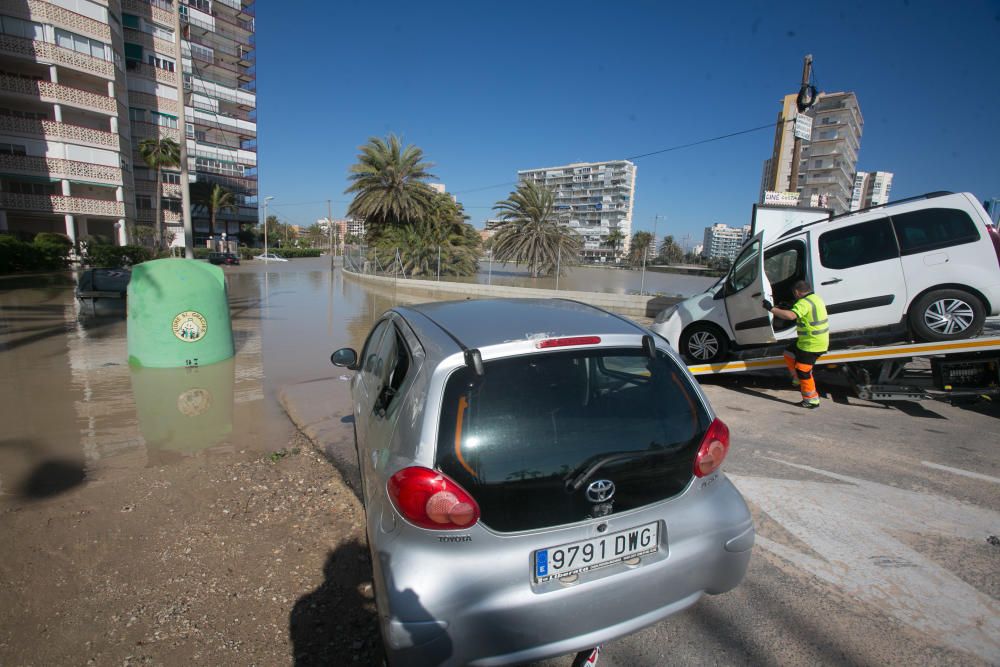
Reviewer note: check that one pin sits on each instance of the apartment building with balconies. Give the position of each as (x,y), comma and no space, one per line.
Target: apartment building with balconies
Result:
(83,82)
(593,199)
(828,160)
(871,188)
(64,161)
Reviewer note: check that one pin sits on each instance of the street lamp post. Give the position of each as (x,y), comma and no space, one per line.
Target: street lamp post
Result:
(266,199)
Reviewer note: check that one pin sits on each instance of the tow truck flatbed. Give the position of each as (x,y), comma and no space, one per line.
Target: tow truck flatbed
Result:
(958,369)
(851,355)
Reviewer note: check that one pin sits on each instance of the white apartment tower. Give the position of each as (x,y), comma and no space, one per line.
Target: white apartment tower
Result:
(871,188)
(593,199)
(85,81)
(724,241)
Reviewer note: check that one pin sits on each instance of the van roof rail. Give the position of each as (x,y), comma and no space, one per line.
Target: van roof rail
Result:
(928,195)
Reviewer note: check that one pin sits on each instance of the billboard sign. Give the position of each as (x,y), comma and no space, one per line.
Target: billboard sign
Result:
(772,198)
(803,126)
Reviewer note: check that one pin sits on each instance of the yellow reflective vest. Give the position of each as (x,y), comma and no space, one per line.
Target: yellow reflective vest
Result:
(812,324)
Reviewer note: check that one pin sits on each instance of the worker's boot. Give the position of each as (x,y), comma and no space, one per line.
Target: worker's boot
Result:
(809,403)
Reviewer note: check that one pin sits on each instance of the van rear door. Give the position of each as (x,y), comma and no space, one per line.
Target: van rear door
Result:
(745,288)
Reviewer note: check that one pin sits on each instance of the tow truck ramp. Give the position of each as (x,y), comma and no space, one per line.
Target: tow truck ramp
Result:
(961,368)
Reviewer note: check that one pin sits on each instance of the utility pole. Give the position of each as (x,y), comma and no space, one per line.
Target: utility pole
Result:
(793,179)
(266,199)
(329,222)
(185,179)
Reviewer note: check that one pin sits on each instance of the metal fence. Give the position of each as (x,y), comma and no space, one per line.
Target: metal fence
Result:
(373,262)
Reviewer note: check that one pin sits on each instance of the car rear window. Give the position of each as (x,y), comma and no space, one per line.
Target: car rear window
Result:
(521,435)
(933,229)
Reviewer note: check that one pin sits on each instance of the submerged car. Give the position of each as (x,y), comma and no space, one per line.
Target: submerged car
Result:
(926,268)
(271,257)
(226,258)
(539,477)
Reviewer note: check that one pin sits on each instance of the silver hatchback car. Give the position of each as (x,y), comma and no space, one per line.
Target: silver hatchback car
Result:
(539,476)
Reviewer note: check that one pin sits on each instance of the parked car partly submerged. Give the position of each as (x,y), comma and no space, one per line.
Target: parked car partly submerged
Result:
(925,268)
(223,258)
(539,476)
(271,257)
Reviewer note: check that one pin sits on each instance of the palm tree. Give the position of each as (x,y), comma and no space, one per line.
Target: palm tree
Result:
(530,231)
(442,235)
(213,198)
(159,153)
(388,184)
(640,246)
(615,238)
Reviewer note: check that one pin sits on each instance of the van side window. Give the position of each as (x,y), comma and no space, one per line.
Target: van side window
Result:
(933,228)
(744,268)
(864,243)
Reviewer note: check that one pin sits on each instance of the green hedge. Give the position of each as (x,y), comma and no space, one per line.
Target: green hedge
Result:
(112,256)
(287,253)
(45,254)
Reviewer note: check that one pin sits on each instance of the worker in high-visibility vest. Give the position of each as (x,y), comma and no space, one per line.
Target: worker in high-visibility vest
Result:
(813,328)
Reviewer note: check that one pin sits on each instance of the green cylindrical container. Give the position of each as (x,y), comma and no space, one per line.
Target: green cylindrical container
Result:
(178,314)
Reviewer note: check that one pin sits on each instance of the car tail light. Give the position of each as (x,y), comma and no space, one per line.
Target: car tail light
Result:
(429,499)
(568,342)
(713,450)
(994,235)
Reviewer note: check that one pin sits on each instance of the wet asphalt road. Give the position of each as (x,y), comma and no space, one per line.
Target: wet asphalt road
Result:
(874,522)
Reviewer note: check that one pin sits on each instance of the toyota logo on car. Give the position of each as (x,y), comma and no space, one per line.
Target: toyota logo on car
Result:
(600,491)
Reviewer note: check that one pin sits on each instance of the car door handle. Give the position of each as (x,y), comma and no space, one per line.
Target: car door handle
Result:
(832,282)
(755,295)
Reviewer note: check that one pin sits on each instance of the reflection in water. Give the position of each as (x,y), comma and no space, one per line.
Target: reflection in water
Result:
(184,409)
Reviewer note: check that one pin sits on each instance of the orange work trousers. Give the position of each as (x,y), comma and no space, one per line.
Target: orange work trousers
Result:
(800,365)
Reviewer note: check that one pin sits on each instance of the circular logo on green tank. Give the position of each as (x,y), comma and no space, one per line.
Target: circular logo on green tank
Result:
(190,326)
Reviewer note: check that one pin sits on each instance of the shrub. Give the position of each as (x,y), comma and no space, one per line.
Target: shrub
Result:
(110,257)
(48,253)
(50,238)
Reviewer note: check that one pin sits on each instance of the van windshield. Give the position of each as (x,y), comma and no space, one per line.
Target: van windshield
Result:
(528,438)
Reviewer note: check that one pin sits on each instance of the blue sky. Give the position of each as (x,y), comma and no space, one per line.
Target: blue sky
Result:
(487,88)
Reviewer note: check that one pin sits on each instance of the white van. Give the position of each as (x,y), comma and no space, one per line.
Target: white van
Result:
(925,268)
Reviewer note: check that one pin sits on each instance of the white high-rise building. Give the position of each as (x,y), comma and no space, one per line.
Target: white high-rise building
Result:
(594,199)
(724,241)
(871,188)
(84,82)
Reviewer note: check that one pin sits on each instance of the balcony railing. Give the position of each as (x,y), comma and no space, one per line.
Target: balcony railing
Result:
(58,168)
(45,52)
(45,12)
(149,215)
(152,102)
(158,10)
(147,70)
(61,204)
(54,92)
(59,131)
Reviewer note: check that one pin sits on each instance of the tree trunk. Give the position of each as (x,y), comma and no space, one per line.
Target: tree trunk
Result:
(158,223)
(211,222)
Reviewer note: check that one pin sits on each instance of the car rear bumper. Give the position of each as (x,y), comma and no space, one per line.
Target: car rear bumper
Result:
(493,615)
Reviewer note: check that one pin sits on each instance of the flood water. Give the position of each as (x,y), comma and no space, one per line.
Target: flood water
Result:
(73,410)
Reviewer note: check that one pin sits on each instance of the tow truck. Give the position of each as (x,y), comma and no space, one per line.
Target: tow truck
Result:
(952,370)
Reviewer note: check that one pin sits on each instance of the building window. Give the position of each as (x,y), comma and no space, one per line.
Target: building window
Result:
(20,28)
(80,44)
(30,115)
(22,188)
(164,120)
(162,63)
(158,32)
(131,21)
(12,149)
(144,202)
(172,177)
(137,115)
(172,205)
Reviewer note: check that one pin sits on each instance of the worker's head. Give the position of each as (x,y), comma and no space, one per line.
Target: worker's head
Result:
(801,288)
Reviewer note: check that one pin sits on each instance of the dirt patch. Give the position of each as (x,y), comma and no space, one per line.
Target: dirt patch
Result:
(246,560)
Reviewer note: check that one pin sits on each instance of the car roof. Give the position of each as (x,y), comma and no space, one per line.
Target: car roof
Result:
(483,322)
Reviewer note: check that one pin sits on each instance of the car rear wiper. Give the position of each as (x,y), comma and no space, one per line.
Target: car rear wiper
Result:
(576,478)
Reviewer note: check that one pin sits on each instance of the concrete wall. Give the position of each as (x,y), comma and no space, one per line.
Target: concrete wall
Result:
(630,305)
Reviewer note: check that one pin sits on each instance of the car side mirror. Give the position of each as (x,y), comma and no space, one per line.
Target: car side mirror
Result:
(345,357)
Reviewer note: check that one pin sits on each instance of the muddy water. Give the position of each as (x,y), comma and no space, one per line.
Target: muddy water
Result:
(74,412)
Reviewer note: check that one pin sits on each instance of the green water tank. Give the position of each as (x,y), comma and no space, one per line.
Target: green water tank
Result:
(178,314)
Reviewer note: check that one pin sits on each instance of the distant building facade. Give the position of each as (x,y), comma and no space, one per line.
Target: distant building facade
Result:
(829,157)
(594,200)
(871,188)
(724,241)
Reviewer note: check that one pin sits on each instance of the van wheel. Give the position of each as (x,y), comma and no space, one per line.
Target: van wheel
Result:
(947,314)
(704,344)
